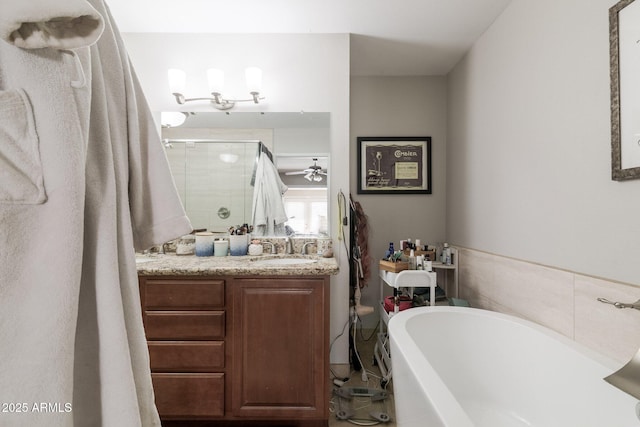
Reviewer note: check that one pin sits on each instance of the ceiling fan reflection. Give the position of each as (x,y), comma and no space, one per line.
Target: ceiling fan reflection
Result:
(312,173)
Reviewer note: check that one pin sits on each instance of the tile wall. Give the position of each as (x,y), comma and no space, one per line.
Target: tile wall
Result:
(206,184)
(560,300)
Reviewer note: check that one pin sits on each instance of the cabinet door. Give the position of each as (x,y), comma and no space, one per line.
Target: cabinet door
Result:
(280,347)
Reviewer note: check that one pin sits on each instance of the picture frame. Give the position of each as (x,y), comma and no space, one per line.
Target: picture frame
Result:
(394,165)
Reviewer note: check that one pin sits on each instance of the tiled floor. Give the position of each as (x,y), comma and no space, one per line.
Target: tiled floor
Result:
(362,406)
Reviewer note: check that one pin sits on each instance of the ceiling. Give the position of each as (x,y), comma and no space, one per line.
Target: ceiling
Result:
(389,38)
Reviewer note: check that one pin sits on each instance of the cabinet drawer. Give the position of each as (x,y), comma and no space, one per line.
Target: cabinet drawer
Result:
(189,395)
(184,325)
(181,356)
(183,294)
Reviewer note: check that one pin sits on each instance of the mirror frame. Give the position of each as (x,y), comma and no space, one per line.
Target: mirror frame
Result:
(617,173)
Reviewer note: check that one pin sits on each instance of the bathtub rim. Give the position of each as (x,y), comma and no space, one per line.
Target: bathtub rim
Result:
(446,406)
(444,403)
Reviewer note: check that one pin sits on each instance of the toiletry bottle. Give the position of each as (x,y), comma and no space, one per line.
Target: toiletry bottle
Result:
(389,252)
(412,260)
(446,254)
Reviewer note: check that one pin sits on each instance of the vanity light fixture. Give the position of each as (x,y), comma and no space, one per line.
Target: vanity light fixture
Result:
(215,78)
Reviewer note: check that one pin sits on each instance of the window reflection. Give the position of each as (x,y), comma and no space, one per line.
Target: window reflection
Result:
(307,210)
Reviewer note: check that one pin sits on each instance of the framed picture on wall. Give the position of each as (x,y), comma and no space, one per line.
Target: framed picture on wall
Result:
(394,165)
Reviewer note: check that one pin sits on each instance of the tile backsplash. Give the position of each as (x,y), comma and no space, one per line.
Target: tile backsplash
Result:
(560,300)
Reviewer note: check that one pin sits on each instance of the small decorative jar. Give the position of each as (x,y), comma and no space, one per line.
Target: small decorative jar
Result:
(238,244)
(255,248)
(221,247)
(186,245)
(204,243)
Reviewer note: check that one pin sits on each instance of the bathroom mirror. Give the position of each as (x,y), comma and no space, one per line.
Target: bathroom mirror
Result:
(213,157)
(624,41)
(213,179)
(306,200)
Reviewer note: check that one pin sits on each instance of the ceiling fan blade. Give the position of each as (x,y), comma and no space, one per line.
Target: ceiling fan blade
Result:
(311,172)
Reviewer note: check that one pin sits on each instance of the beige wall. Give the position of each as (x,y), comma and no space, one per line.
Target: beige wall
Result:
(528,161)
(399,106)
(545,230)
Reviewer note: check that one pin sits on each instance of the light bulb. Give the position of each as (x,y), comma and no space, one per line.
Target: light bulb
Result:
(253,76)
(215,78)
(172,118)
(177,80)
(229,157)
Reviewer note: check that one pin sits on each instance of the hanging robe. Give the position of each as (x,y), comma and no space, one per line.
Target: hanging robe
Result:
(268,212)
(83,183)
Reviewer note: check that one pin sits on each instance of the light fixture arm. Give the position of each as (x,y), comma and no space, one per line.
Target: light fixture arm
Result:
(180,99)
(177,79)
(218,101)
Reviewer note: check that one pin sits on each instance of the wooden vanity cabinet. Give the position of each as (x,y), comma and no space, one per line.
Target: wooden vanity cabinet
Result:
(239,349)
(185,325)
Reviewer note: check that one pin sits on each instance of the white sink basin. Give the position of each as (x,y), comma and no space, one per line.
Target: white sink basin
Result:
(284,261)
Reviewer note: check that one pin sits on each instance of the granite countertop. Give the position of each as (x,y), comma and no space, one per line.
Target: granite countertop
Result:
(258,265)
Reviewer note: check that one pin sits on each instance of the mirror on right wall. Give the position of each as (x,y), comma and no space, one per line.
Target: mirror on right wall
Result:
(624,42)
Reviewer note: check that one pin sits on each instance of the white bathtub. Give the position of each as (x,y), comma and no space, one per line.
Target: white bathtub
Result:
(461,367)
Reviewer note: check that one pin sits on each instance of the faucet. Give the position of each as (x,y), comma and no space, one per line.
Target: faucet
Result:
(273,247)
(626,378)
(304,247)
(617,304)
(288,246)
